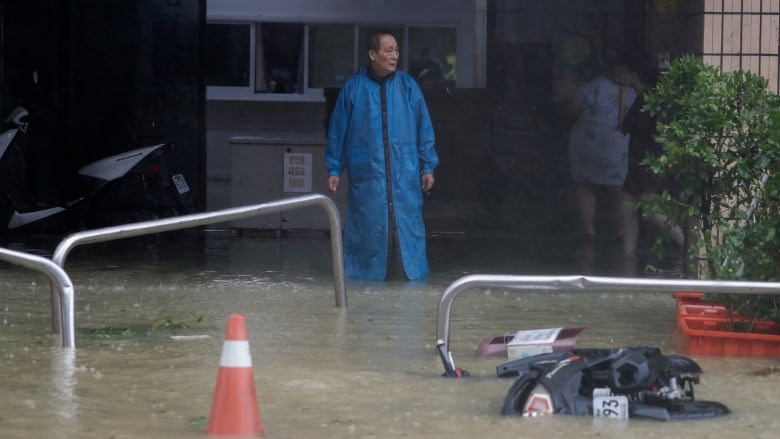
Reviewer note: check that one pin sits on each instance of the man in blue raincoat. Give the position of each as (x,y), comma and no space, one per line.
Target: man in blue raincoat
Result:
(380,132)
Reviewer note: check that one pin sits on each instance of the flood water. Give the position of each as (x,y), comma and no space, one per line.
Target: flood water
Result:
(367,371)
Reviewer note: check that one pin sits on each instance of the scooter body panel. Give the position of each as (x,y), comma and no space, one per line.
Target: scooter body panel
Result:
(116,166)
(20,219)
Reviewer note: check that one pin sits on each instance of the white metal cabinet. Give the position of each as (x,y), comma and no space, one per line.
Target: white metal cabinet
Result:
(262,171)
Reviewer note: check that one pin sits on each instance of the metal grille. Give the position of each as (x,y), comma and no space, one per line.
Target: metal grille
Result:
(743,35)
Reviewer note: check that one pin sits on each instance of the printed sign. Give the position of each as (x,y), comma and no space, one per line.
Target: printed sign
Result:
(297,172)
(531,342)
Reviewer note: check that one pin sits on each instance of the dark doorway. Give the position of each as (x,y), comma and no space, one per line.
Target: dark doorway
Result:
(537,53)
(111,76)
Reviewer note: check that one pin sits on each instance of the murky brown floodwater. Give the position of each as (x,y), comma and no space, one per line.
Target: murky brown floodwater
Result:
(368,371)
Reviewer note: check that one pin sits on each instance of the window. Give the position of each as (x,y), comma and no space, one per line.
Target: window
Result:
(331,54)
(295,61)
(432,56)
(279,50)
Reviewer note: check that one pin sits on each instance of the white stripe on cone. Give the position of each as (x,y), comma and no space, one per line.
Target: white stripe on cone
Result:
(235,354)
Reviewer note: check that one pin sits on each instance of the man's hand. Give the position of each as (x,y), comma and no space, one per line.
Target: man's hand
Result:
(333,183)
(427,182)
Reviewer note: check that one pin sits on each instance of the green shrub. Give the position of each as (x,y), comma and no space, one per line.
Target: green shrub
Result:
(720,135)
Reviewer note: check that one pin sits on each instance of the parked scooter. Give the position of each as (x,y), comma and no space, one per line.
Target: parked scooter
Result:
(132,186)
(136,185)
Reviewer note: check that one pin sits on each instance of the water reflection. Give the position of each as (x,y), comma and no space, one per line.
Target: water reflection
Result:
(64,381)
(370,370)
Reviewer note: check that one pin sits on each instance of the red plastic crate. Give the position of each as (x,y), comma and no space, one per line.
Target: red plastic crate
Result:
(687,297)
(704,327)
(708,335)
(700,310)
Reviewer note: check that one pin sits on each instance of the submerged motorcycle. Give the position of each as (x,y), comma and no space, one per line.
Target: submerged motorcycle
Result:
(622,383)
(132,186)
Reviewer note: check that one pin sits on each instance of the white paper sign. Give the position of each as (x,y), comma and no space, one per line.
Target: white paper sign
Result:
(536,336)
(297,172)
(531,342)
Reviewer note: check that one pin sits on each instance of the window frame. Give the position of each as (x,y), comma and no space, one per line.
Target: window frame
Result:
(248,93)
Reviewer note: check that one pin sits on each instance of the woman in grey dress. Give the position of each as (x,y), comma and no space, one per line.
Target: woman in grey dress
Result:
(598,148)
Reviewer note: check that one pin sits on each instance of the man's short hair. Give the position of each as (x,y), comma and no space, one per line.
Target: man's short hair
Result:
(373,42)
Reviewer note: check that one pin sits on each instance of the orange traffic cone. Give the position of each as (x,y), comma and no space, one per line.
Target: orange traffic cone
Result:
(234,410)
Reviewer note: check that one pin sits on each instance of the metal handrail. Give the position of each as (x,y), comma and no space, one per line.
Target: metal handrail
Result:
(199,219)
(577,282)
(57,276)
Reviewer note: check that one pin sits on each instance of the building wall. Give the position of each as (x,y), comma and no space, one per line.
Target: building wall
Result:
(497,155)
(732,35)
(502,146)
(743,36)
(227,119)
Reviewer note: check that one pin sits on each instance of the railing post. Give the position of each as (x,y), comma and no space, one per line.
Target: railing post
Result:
(60,281)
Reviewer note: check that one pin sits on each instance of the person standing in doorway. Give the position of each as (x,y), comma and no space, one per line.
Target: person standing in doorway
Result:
(380,133)
(598,148)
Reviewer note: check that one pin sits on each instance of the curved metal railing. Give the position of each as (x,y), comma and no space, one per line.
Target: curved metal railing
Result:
(199,219)
(577,282)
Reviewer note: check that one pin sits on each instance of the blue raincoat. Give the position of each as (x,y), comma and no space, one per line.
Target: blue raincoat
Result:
(380,132)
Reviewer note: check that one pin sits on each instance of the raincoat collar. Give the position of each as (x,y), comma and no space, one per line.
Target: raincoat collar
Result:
(373,76)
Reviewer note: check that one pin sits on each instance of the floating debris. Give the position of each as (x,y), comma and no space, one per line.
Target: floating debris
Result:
(191,337)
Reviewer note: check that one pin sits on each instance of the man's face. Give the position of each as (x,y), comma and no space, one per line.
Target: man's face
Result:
(384,61)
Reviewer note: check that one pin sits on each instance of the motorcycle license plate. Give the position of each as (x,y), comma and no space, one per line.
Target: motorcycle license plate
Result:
(181,183)
(607,405)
